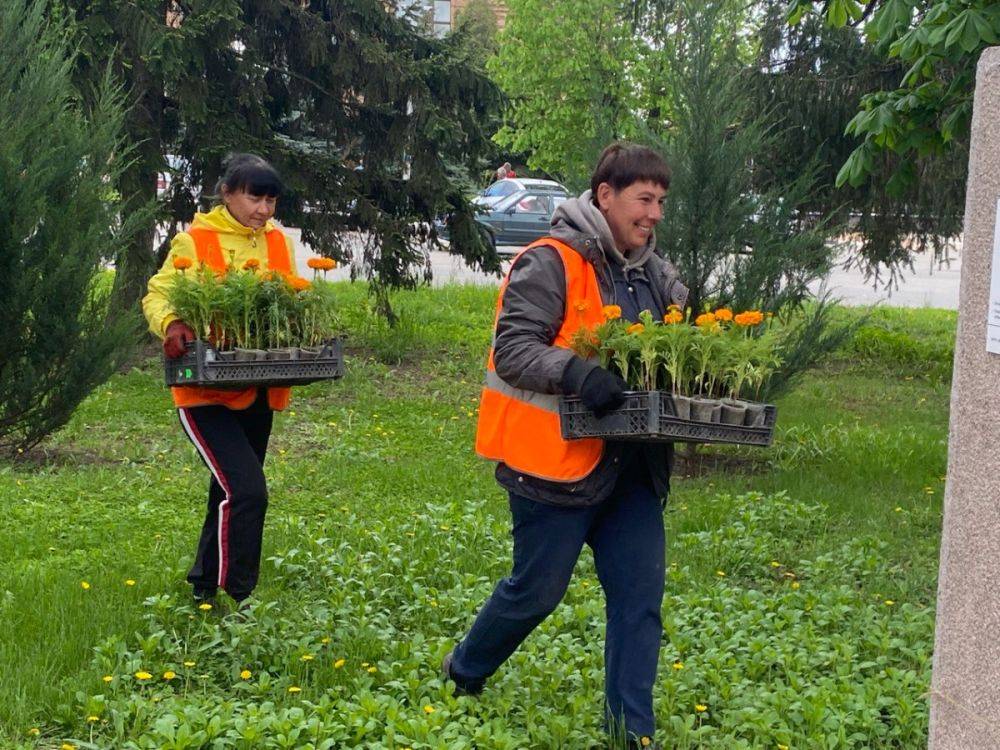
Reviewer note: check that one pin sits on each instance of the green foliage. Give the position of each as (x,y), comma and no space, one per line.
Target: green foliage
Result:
(564,66)
(889,341)
(59,227)
(929,110)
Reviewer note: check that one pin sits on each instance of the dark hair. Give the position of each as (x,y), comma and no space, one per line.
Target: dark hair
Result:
(251,174)
(622,164)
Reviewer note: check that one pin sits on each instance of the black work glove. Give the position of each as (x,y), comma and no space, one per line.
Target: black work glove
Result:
(175,341)
(600,390)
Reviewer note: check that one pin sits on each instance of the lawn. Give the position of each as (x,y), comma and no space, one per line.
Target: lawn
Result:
(799,608)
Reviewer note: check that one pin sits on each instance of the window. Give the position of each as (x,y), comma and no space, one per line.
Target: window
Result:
(533,204)
(442,17)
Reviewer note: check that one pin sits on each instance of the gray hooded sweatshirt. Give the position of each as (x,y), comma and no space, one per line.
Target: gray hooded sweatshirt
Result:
(531,315)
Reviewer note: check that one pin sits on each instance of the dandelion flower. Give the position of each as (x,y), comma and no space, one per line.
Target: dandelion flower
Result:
(796,585)
(720,573)
(700,707)
(129,582)
(782,747)
(143,676)
(84,585)
(67,746)
(204,606)
(307,657)
(246,674)
(678,665)
(611,312)
(428,709)
(775,564)
(294,689)
(181,263)
(339,663)
(91,719)
(889,602)
(325,640)
(645,741)
(169,674)
(635,328)
(34,731)
(107,678)
(372,670)
(189,664)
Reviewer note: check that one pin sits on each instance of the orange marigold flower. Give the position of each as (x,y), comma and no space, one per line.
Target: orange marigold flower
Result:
(749,318)
(636,328)
(673,316)
(723,313)
(316,263)
(251,265)
(180,263)
(298,283)
(611,312)
(704,320)
(328,264)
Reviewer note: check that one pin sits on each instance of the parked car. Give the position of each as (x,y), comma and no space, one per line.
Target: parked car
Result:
(501,189)
(516,220)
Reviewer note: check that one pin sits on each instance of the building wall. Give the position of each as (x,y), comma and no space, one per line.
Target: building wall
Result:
(499,9)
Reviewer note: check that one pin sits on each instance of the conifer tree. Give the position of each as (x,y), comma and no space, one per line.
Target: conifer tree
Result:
(375,126)
(60,223)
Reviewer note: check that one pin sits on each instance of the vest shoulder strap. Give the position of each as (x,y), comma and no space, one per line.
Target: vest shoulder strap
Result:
(278,257)
(207,247)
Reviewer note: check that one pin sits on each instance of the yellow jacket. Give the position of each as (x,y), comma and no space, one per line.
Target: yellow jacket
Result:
(239,244)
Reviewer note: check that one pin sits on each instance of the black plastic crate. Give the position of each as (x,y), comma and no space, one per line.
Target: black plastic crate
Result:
(650,416)
(204,366)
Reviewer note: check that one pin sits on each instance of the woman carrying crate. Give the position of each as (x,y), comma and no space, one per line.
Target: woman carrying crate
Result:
(564,494)
(229,428)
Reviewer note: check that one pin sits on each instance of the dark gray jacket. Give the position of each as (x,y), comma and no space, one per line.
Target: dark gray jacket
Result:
(532,314)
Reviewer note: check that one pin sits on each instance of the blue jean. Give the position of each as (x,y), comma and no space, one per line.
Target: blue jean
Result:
(626,535)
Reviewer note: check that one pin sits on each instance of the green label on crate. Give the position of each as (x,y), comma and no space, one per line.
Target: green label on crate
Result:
(187,373)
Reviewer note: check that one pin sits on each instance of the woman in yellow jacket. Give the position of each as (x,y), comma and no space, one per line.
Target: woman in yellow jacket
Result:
(229,428)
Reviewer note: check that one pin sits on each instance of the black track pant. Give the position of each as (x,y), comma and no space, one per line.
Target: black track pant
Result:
(232,444)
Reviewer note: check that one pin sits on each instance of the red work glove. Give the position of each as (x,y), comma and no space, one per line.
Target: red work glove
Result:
(175,342)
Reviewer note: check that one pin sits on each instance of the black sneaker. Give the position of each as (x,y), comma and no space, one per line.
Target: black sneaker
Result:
(461,687)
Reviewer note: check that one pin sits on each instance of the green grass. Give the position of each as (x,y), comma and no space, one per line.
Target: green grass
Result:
(385,533)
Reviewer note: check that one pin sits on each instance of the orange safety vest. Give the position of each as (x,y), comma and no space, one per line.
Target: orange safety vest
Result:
(206,245)
(521,427)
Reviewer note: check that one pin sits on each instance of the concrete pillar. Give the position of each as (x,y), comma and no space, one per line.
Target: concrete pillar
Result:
(965,686)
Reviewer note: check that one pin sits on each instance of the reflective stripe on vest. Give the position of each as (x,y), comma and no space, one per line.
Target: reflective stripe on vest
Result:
(209,252)
(521,427)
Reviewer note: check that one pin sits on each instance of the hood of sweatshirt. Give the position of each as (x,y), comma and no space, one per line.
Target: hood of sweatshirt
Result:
(578,216)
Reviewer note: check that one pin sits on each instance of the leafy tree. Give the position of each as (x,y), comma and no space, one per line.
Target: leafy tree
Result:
(59,219)
(565,64)
(375,126)
(927,112)
(815,76)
